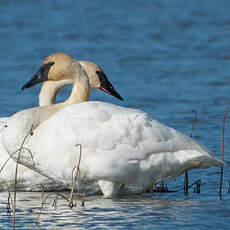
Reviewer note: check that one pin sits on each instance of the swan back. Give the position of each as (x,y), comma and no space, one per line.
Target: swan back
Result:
(118,144)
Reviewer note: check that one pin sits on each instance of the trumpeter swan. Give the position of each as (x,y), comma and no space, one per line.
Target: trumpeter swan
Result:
(47,95)
(124,150)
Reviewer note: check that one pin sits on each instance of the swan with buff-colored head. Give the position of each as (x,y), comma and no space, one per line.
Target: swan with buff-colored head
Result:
(124,150)
(51,85)
(97,80)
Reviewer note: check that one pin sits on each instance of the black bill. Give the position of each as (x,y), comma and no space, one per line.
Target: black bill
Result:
(40,76)
(106,86)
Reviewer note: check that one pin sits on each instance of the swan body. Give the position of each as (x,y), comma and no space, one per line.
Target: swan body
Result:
(120,146)
(123,150)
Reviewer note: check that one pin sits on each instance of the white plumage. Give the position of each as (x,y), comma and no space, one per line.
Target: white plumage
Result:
(123,150)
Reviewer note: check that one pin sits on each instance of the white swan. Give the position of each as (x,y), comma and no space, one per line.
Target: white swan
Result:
(124,150)
(47,96)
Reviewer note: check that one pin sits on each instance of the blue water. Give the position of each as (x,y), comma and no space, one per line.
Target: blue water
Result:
(164,57)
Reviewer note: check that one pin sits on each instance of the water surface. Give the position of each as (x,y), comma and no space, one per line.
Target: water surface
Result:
(164,57)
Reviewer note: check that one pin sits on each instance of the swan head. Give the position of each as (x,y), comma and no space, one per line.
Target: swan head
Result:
(63,67)
(55,67)
(98,79)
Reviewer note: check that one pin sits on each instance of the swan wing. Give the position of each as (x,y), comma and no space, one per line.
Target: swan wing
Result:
(118,144)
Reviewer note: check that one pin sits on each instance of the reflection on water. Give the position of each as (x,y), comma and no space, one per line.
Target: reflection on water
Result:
(159,210)
(128,212)
(164,57)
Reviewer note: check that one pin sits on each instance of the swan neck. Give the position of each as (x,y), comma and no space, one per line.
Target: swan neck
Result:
(49,90)
(80,91)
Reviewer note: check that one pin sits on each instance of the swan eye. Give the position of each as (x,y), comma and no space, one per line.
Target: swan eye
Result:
(44,70)
(103,79)
(40,76)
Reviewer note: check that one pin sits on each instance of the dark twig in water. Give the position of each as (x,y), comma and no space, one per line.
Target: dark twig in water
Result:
(197,188)
(83,201)
(9,200)
(74,178)
(229,187)
(163,187)
(16,174)
(222,151)
(186,181)
(9,203)
(55,201)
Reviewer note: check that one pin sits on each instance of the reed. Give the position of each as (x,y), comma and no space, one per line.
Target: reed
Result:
(222,150)
(55,200)
(197,188)
(9,203)
(186,178)
(16,175)
(74,177)
(11,156)
(228,186)
(43,201)
(70,200)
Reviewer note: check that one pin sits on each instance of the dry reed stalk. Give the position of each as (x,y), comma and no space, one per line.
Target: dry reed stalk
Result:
(16,174)
(32,158)
(9,203)
(222,150)
(74,178)
(44,198)
(65,198)
(23,148)
(186,181)
(43,201)
(9,199)
(70,200)
(55,201)
(83,201)
(56,198)
(193,122)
